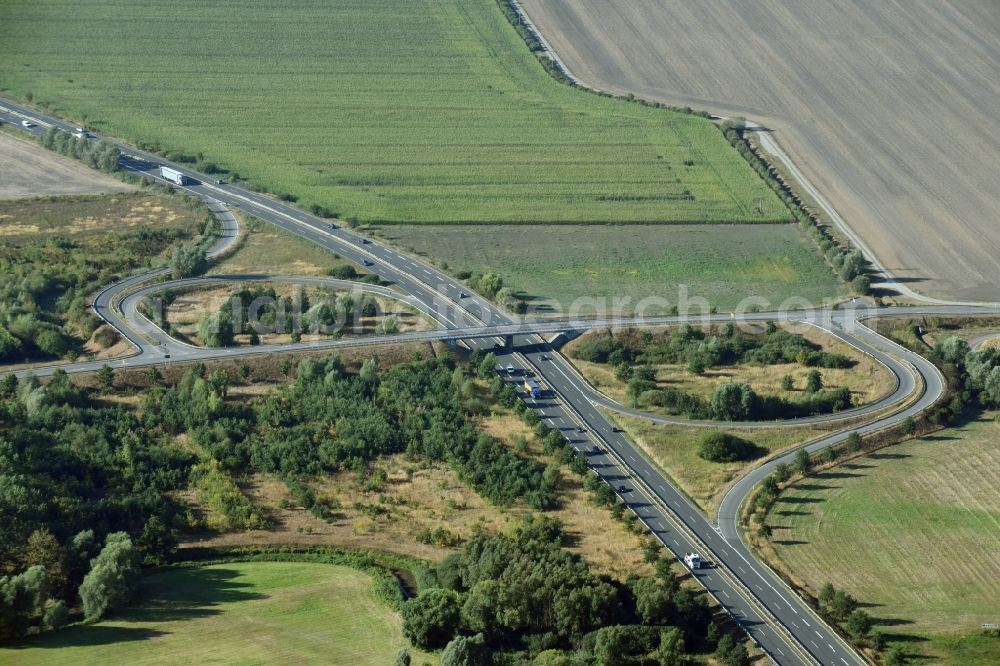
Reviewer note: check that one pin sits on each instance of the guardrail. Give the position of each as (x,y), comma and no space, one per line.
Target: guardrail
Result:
(679,524)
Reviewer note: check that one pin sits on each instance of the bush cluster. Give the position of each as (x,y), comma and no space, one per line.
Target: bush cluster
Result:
(509,598)
(725,447)
(102,155)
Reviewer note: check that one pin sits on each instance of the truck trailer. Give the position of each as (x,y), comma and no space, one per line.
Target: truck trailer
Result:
(174,176)
(533,388)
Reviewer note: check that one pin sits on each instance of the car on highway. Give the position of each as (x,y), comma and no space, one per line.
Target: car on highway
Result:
(510,369)
(27,123)
(366,262)
(332,227)
(622,489)
(365,241)
(544,357)
(462,294)
(581,429)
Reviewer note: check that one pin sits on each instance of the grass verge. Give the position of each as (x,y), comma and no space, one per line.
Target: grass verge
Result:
(674,449)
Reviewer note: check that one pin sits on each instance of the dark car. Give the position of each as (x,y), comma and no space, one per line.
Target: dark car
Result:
(366,262)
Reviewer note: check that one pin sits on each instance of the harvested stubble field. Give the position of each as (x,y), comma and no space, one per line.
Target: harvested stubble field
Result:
(423,111)
(884,106)
(924,515)
(28,170)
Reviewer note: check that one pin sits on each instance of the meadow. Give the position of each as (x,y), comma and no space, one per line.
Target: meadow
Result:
(930,503)
(553,265)
(430,112)
(674,449)
(237,613)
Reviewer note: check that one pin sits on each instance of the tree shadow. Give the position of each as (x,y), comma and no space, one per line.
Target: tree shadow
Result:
(168,596)
(198,595)
(814,486)
(890,622)
(855,466)
(905,638)
(572,539)
(888,456)
(793,513)
(790,542)
(88,635)
(801,500)
(836,475)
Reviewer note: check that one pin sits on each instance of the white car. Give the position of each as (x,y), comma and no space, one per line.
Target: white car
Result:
(27,123)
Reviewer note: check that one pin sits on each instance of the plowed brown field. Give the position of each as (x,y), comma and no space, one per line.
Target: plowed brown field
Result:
(891,108)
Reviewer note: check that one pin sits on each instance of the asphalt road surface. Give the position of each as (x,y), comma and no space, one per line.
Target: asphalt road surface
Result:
(773,616)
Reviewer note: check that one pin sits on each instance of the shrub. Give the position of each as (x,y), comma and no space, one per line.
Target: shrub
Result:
(724,447)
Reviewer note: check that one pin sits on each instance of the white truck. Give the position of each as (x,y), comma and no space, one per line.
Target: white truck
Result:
(693,560)
(174,176)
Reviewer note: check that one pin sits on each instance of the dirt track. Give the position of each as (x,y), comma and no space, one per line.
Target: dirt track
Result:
(891,108)
(28,170)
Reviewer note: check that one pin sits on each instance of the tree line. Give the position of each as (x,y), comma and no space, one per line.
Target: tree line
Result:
(700,349)
(102,155)
(847,262)
(257,309)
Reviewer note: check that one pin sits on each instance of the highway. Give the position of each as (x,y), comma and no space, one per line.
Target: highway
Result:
(772,615)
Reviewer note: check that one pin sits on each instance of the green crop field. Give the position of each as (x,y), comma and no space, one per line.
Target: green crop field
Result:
(914,530)
(556,265)
(240,613)
(419,111)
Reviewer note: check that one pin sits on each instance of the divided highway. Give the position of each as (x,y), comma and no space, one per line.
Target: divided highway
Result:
(774,616)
